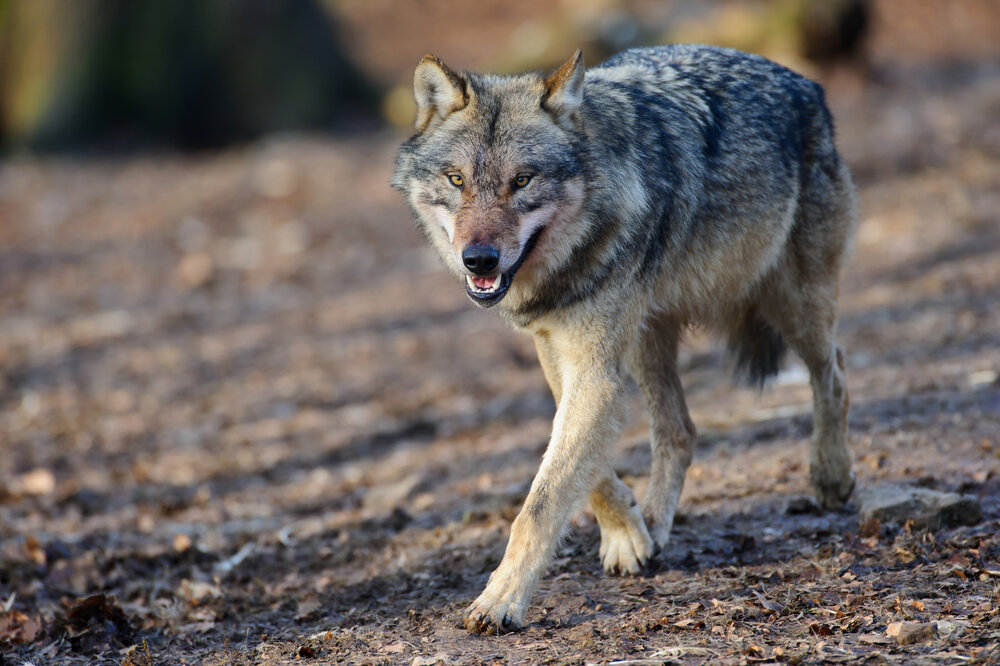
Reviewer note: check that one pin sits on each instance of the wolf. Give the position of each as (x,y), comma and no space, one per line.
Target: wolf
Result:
(606,210)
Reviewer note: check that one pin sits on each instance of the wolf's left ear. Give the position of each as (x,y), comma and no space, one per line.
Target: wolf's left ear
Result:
(564,87)
(438,91)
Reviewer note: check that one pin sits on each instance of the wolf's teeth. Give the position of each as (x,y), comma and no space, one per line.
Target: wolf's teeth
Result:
(493,286)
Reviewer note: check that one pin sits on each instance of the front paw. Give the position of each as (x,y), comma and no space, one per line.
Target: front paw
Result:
(627,546)
(494,612)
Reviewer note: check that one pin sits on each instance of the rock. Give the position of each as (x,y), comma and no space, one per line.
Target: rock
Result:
(907,633)
(436,660)
(894,503)
(950,630)
(38,481)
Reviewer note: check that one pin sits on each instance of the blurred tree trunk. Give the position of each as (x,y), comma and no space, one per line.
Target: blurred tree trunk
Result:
(188,73)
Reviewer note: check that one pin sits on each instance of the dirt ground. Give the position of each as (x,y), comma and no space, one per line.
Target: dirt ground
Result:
(241,400)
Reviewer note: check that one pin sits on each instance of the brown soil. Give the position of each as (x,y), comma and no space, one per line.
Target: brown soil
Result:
(241,399)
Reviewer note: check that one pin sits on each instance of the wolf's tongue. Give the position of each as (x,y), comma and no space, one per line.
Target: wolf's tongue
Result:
(484,282)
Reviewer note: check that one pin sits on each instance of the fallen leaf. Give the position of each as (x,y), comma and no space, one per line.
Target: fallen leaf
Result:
(95,624)
(772,606)
(818,629)
(197,627)
(34,551)
(307,607)
(16,627)
(202,615)
(195,591)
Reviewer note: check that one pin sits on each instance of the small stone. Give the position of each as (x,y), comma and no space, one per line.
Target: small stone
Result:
(907,633)
(181,542)
(984,377)
(37,482)
(894,503)
(196,269)
(949,629)
(436,660)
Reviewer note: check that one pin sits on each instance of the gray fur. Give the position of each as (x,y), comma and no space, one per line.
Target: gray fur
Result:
(667,187)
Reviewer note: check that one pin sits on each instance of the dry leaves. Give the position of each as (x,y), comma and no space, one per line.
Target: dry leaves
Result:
(16,627)
(95,624)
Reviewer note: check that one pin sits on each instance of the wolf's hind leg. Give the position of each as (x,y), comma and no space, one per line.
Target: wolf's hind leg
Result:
(800,301)
(830,458)
(805,313)
(625,542)
(653,362)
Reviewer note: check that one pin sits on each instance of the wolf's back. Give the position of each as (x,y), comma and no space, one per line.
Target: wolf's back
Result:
(723,146)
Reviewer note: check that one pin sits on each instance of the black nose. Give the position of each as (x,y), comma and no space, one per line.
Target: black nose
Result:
(481,259)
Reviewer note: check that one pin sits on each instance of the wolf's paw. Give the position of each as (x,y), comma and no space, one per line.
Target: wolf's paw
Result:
(626,546)
(659,530)
(495,611)
(832,492)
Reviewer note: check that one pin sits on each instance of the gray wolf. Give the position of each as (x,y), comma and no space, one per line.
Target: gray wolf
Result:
(603,211)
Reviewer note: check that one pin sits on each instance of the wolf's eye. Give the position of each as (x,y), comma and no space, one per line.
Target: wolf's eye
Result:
(456,179)
(522,181)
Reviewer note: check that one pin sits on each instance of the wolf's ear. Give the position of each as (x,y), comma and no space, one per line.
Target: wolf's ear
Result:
(564,87)
(437,90)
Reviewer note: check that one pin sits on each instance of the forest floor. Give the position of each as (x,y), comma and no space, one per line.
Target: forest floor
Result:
(243,402)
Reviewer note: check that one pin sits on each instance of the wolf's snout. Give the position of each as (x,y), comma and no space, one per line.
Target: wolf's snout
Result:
(481,259)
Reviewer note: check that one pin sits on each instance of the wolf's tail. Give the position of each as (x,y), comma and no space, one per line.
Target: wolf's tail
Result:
(757,347)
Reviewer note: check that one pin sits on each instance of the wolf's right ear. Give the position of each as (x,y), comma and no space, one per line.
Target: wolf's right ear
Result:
(438,91)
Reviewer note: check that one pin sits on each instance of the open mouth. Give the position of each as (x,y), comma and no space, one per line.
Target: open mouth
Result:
(488,290)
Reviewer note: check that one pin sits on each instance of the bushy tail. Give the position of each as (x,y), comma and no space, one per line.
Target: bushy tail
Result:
(757,349)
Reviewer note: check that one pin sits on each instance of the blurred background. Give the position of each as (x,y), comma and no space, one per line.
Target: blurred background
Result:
(185,74)
(228,358)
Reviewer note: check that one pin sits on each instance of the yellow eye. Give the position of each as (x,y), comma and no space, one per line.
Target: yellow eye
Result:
(521,181)
(456,179)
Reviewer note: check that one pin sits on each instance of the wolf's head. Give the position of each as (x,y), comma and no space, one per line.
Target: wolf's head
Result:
(495,170)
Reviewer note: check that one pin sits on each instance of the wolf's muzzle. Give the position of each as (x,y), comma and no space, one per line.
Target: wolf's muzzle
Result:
(489,290)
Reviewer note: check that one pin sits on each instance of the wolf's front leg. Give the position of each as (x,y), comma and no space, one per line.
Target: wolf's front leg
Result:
(625,542)
(587,421)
